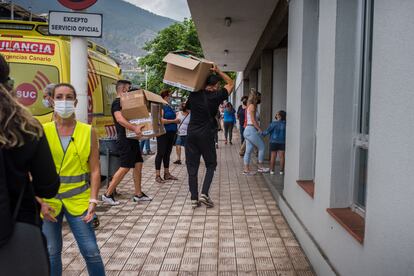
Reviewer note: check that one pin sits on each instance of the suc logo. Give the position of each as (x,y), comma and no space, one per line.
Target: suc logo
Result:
(26,93)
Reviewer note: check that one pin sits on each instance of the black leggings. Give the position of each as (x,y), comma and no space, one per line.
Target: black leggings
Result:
(165,145)
(228,131)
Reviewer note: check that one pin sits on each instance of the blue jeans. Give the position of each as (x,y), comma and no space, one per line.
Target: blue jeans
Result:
(85,238)
(253,139)
(145,144)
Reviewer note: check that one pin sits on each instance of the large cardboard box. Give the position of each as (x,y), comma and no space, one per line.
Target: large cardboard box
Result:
(186,71)
(142,107)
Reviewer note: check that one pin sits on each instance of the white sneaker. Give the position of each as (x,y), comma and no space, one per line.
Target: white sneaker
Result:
(249,173)
(110,200)
(263,170)
(272,172)
(206,201)
(281,172)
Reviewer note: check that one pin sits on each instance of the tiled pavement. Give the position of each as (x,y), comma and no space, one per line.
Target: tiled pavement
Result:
(244,234)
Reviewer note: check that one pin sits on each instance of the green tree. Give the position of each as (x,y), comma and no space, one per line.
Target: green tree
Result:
(178,36)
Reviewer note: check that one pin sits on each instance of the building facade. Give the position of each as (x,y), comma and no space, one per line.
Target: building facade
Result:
(343,71)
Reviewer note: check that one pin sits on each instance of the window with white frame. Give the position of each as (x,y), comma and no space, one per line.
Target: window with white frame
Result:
(362,107)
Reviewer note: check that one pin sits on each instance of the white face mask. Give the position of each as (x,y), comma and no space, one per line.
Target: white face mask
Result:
(46,103)
(65,109)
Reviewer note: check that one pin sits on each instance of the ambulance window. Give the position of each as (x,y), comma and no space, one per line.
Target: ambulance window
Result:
(109,94)
(29,83)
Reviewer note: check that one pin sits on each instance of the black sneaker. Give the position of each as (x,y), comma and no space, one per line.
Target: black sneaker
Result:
(178,162)
(206,201)
(143,197)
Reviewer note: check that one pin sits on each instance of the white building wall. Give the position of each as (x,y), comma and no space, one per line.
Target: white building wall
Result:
(388,248)
(390,194)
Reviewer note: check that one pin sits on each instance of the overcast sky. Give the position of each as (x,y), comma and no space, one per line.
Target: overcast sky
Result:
(175,9)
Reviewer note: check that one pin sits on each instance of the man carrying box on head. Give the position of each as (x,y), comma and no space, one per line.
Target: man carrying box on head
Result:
(201,130)
(129,150)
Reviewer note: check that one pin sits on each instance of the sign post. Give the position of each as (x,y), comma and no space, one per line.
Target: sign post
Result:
(79,75)
(79,60)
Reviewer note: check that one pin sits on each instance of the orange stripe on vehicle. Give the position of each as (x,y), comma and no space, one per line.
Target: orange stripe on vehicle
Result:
(39,87)
(43,76)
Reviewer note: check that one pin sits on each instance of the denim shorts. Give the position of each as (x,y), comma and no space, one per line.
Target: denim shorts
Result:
(181,141)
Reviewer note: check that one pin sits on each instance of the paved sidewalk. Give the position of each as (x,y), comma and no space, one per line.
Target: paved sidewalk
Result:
(244,234)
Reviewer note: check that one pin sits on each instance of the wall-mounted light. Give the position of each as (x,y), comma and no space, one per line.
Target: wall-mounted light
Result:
(226,52)
(227,21)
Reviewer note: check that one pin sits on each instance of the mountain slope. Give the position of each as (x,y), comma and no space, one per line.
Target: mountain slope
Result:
(125,27)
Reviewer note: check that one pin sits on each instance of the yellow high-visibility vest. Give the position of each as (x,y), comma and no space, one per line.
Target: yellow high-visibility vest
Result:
(73,168)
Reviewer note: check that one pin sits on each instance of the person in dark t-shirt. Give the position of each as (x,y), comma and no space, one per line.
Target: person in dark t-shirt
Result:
(201,130)
(241,116)
(129,150)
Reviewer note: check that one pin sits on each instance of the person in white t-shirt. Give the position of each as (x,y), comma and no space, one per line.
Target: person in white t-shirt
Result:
(184,116)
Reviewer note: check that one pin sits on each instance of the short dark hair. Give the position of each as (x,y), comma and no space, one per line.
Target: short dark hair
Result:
(213,79)
(165,92)
(282,114)
(122,82)
(63,84)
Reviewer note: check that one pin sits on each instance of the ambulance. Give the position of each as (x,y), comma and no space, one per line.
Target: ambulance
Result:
(37,59)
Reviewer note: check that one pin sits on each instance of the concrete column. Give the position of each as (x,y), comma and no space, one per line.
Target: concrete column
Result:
(301,92)
(266,81)
(246,88)
(253,81)
(279,80)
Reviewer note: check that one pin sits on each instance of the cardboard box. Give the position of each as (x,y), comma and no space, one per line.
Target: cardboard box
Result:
(142,107)
(186,71)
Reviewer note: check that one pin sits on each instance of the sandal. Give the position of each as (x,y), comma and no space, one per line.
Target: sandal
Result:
(158,179)
(249,173)
(170,177)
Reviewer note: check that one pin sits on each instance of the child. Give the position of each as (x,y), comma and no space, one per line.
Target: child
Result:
(277,131)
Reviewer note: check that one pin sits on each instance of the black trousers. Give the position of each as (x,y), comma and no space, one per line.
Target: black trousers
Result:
(228,131)
(165,145)
(197,146)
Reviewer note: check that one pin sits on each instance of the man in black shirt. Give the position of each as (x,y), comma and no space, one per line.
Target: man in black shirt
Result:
(201,130)
(129,150)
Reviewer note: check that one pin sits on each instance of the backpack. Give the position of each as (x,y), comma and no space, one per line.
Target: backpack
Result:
(6,217)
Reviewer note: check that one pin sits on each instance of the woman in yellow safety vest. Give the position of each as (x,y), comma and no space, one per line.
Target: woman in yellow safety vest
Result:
(74,147)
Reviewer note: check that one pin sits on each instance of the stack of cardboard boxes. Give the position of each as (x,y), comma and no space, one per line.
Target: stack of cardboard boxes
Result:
(186,71)
(143,108)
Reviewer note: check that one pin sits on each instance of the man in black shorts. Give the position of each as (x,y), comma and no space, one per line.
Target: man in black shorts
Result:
(201,131)
(129,150)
